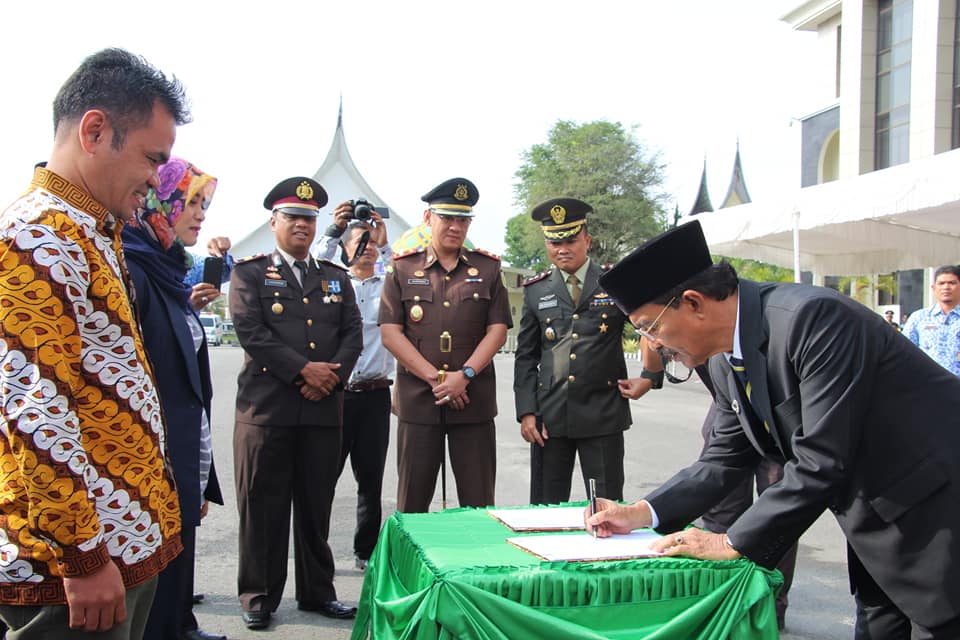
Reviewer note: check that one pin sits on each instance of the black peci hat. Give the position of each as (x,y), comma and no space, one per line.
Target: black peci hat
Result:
(453,197)
(657,266)
(562,218)
(296,196)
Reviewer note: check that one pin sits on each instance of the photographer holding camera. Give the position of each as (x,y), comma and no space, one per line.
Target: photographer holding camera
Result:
(360,233)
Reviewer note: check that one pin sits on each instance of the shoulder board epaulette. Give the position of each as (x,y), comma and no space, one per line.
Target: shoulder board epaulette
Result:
(537,277)
(332,264)
(255,256)
(488,254)
(411,252)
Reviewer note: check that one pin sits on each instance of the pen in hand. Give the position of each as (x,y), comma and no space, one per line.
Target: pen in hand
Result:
(593,503)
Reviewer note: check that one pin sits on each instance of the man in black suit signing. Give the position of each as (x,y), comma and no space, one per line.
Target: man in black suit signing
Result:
(863,422)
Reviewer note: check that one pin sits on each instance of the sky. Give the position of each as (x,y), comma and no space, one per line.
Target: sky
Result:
(430,90)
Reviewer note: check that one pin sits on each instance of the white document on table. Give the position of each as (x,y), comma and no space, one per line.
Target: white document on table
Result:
(585,548)
(541,518)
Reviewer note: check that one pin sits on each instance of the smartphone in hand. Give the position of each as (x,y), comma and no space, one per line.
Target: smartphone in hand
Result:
(213,271)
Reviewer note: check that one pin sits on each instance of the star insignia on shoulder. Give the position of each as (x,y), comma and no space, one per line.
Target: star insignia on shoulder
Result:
(487,253)
(255,256)
(537,277)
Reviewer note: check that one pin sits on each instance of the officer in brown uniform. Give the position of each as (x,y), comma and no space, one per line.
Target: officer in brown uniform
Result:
(445,309)
(297,321)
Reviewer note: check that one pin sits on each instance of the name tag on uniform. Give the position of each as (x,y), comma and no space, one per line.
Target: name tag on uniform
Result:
(425,281)
(274,283)
(474,280)
(548,304)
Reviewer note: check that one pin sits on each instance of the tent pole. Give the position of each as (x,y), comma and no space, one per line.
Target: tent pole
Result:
(796,245)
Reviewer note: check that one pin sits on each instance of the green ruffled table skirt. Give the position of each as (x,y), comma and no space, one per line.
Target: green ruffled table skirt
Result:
(453,575)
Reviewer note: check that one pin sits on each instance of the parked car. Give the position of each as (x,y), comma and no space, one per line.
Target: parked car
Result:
(213,327)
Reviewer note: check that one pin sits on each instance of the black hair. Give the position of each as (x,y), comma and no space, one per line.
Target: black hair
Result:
(125,87)
(718,281)
(949,268)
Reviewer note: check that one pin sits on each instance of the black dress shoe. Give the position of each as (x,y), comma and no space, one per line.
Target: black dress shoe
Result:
(256,619)
(331,609)
(200,634)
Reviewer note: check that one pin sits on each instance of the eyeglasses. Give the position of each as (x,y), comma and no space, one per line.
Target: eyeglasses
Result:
(448,219)
(650,331)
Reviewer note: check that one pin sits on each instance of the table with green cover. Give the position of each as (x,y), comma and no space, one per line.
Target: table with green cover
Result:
(453,575)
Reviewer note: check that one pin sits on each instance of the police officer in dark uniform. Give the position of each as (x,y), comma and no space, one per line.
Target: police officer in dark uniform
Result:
(444,314)
(297,321)
(570,378)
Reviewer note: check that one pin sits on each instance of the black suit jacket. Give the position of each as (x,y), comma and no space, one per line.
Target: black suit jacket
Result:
(281,326)
(568,359)
(183,381)
(867,426)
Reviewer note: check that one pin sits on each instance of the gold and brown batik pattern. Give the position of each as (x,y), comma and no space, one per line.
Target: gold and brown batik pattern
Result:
(82,472)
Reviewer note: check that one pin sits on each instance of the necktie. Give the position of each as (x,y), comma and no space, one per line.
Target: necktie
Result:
(737,365)
(574,283)
(302,268)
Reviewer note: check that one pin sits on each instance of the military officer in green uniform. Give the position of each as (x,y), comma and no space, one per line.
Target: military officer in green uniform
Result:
(570,378)
(297,321)
(444,314)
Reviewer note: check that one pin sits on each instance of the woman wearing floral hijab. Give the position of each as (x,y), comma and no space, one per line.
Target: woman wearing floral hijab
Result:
(154,247)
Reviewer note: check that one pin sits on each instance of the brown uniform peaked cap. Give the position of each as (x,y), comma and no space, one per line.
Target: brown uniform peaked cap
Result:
(657,266)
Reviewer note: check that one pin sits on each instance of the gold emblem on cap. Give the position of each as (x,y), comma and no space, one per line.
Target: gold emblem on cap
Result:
(305,191)
(416,313)
(461,193)
(558,213)
(473,271)
(550,334)
(277,308)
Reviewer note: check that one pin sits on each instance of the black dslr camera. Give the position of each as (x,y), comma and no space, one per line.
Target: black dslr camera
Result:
(363,210)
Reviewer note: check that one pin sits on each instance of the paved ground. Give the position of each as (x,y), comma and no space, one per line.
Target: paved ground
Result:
(665,436)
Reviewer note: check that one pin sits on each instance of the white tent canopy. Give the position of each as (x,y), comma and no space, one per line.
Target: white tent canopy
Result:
(904,217)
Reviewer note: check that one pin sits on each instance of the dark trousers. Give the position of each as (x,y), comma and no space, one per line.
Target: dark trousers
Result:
(275,466)
(879,619)
(719,518)
(173,599)
(601,458)
(473,458)
(366,436)
(52,622)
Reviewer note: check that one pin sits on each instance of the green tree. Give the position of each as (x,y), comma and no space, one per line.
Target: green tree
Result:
(759,271)
(603,164)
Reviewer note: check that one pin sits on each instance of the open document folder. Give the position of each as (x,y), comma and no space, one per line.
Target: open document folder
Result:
(585,548)
(540,518)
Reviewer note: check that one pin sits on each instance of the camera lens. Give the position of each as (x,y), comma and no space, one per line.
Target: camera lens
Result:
(362,209)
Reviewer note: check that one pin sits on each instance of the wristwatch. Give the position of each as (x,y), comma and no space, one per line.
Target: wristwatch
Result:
(469,373)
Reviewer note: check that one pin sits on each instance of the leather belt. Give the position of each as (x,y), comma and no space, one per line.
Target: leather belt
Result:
(369,385)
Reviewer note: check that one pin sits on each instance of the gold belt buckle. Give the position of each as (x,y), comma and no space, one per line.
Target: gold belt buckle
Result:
(446,342)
